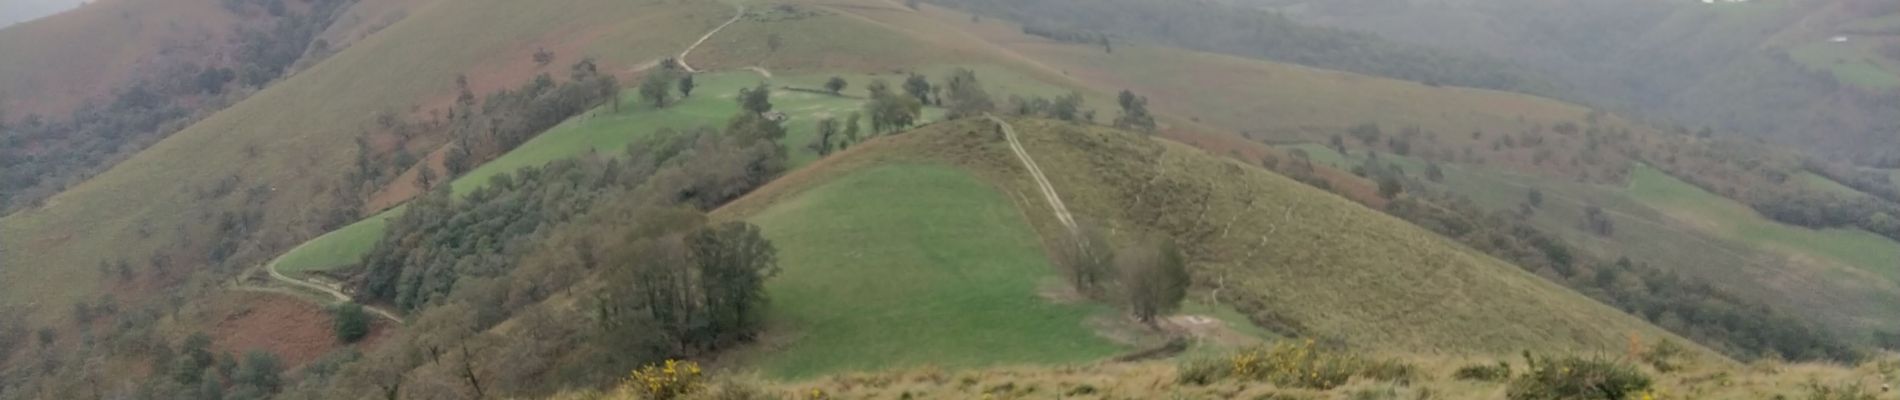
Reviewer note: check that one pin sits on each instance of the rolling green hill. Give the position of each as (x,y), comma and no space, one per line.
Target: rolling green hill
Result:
(904,265)
(1296,260)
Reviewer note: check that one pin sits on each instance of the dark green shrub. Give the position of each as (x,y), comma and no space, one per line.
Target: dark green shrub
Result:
(1389,371)
(1483,372)
(351,323)
(1202,371)
(1574,378)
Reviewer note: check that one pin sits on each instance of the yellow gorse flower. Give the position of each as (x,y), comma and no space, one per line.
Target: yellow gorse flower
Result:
(668,380)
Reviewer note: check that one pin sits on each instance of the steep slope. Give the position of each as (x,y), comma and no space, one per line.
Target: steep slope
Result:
(290,144)
(1810,73)
(1296,260)
(54,64)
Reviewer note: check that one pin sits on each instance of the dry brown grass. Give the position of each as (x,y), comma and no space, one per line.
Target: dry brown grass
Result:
(1156,380)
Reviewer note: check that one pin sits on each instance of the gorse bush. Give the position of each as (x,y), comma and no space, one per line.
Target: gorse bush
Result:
(671,380)
(1575,378)
(1302,365)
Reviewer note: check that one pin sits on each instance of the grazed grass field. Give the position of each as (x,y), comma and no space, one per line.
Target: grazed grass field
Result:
(1826,185)
(906,265)
(1839,293)
(338,248)
(1735,221)
(1852,63)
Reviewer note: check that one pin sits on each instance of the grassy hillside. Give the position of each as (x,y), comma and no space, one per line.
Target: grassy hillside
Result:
(904,265)
(1852,63)
(1776,267)
(55,63)
(1295,260)
(301,130)
(1161,380)
(1729,219)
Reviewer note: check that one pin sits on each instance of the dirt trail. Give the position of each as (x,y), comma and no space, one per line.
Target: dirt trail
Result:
(334,292)
(1042,182)
(709,35)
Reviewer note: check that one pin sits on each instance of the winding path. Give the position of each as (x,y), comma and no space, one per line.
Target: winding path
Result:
(702,39)
(1035,171)
(334,292)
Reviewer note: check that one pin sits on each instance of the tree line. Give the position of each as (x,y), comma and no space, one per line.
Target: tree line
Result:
(622,237)
(443,238)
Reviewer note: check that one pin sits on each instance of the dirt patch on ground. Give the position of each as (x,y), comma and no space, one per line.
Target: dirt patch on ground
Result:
(296,330)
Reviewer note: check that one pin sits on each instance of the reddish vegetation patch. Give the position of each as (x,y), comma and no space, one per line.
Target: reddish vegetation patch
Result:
(296,330)
(406,186)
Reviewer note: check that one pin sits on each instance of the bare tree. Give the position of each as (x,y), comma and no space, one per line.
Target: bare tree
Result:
(1154,279)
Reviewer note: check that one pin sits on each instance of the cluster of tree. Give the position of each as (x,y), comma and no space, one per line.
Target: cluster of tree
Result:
(194,371)
(506,119)
(891,111)
(265,54)
(1225,27)
(1066,107)
(834,135)
(1135,114)
(685,287)
(1815,209)
(624,237)
(659,85)
(42,155)
(443,238)
(1148,279)
(1707,314)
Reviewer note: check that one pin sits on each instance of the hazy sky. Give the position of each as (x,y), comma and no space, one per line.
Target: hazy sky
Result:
(13,11)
